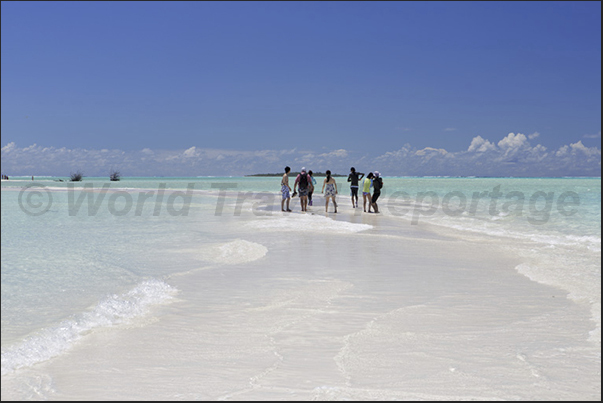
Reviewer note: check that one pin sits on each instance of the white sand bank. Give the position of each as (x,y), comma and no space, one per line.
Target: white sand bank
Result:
(332,313)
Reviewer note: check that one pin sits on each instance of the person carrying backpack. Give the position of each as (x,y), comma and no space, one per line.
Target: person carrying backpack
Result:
(377,185)
(302,182)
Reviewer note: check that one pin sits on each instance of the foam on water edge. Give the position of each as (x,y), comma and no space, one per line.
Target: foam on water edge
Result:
(308,223)
(240,251)
(566,261)
(591,242)
(579,289)
(113,310)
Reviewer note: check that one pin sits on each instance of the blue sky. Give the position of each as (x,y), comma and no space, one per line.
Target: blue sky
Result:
(361,80)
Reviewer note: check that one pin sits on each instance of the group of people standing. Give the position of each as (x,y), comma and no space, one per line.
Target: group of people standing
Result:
(305,183)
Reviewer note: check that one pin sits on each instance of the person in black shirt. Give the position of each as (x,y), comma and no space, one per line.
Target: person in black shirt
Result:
(354,177)
(377,185)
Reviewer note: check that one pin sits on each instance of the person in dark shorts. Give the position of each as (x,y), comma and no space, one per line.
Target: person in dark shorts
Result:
(377,185)
(354,177)
(303,181)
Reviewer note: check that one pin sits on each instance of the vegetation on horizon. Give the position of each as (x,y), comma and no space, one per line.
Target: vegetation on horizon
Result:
(77,176)
(294,174)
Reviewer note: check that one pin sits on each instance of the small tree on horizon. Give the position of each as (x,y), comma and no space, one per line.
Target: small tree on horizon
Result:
(77,176)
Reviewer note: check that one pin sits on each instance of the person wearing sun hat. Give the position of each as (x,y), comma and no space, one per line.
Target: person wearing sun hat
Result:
(377,185)
(302,182)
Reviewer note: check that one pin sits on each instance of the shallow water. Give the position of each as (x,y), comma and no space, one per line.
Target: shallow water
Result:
(90,270)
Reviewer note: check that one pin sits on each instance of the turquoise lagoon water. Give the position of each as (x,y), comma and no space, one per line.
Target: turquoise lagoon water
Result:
(73,261)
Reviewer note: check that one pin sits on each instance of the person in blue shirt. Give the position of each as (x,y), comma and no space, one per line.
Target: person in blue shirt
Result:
(311,189)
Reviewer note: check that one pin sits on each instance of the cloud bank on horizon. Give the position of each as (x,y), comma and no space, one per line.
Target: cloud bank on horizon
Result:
(513,155)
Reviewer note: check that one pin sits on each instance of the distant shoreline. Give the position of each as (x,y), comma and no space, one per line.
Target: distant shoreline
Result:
(21,178)
(295,174)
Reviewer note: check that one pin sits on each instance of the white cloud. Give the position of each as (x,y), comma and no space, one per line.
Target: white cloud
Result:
(562,151)
(30,148)
(513,155)
(593,136)
(191,153)
(335,154)
(478,144)
(513,141)
(579,147)
(533,135)
(430,151)
(8,148)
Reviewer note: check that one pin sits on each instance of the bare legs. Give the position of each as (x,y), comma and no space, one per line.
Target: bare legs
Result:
(365,199)
(303,200)
(375,207)
(374,201)
(327,204)
(283,204)
(354,197)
